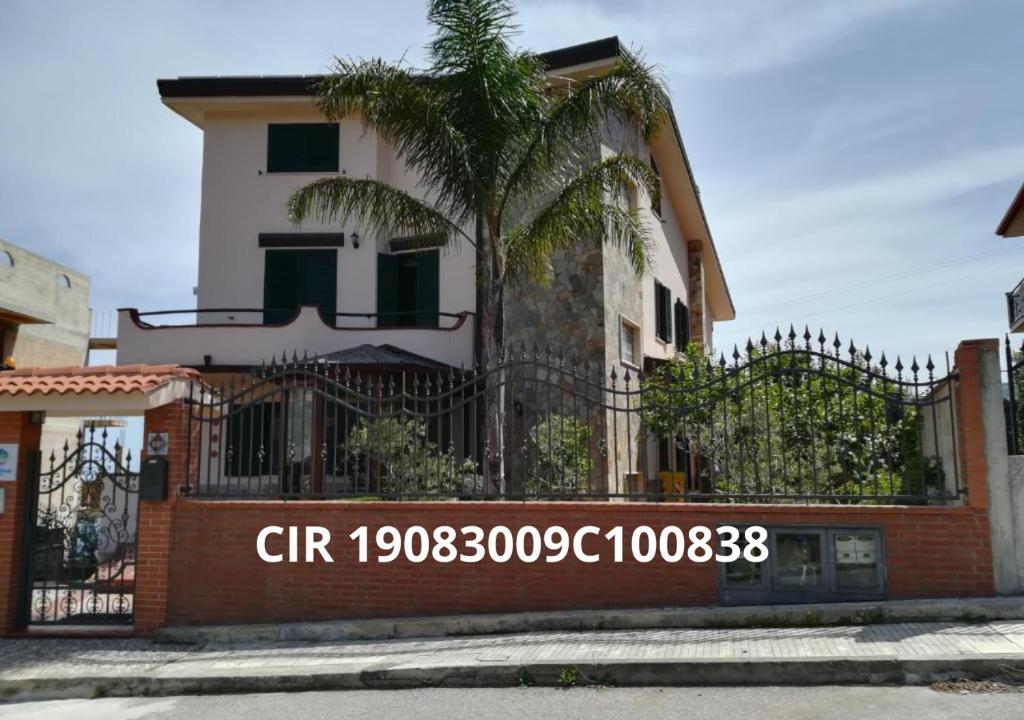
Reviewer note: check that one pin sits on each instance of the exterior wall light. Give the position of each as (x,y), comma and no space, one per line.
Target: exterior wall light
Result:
(355,240)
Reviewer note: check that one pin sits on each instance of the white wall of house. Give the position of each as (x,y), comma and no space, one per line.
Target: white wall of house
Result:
(668,251)
(240,200)
(669,267)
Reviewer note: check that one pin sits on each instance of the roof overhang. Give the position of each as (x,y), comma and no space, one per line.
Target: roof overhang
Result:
(1012,224)
(93,391)
(114,404)
(21,316)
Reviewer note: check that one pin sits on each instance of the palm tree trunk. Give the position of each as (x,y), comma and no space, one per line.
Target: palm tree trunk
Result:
(490,332)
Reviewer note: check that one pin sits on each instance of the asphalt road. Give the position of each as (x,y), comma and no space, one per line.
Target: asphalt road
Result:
(819,703)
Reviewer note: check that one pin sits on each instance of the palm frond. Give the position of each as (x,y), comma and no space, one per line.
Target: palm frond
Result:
(414,117)
(373,205)
(585,212)
(498,93)
(632,90)
(469,33)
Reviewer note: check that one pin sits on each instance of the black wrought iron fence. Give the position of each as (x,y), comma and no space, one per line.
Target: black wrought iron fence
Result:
(779,421)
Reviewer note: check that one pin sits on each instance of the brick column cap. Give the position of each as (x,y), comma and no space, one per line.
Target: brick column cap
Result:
(981,343)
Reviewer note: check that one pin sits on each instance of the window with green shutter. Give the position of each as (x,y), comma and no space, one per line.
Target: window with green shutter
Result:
(662,312)
(293,278)
(682,317)
(656,201)
(408,289)
(302,147)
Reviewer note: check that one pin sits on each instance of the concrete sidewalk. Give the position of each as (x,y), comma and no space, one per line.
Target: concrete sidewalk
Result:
(888,653)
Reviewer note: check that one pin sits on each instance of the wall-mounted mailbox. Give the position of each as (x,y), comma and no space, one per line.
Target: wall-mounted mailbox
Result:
(153,479)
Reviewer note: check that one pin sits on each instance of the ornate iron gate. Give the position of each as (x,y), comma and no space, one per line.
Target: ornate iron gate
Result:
(81,528)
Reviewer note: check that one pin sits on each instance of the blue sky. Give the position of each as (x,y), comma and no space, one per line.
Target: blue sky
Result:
(854,158)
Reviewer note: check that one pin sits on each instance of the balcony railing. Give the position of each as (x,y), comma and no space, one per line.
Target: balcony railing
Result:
(1015,307)
(240,337)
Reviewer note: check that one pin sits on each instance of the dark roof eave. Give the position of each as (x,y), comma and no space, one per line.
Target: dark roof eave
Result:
(299,85)
(1015,209)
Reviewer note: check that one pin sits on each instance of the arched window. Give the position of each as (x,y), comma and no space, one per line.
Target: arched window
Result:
(63,282)
(5,259)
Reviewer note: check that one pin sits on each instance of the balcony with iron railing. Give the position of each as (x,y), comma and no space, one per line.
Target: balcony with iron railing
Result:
(1015,307)
(242,337)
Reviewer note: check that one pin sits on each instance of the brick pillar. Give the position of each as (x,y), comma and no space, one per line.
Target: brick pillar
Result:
(970,421)
(152,571)
(15,427)
(981,432)
(695,263)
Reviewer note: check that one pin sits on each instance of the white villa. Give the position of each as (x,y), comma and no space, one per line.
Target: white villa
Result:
(267,287)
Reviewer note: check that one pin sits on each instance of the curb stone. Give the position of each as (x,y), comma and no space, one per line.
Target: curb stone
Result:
(810,615)
(825,671)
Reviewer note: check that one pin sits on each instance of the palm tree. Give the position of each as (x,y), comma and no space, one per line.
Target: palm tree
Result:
(508,164)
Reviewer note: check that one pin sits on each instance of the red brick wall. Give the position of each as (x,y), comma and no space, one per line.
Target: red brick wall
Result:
(216,576)
(14,428)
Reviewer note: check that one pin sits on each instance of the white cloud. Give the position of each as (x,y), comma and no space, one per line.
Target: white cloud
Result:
(714,38)
(795,212)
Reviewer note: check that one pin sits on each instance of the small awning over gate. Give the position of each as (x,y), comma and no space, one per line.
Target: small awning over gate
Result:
(101,390)
(383,357)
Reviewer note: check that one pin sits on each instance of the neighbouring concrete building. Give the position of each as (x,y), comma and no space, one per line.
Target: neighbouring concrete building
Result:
(45,320)
(44,310)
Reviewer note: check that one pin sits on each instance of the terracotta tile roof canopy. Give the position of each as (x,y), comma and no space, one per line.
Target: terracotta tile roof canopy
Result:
(103,379)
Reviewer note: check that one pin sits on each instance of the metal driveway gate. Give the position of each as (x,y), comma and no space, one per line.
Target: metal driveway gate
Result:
(80,536)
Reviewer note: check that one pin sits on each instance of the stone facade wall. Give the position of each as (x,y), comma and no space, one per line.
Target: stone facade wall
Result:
(623,299)
(568,314)
(696,299)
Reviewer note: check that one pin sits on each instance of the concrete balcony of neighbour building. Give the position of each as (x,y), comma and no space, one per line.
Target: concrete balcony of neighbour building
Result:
(243,338)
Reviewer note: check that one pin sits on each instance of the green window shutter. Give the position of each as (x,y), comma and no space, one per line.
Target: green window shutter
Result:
(302,147)
(667,313)
(292,278)
(682,325)
(318,281)
(387,290)
(280,286)
(428,288)
(657,308)
(662,312)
